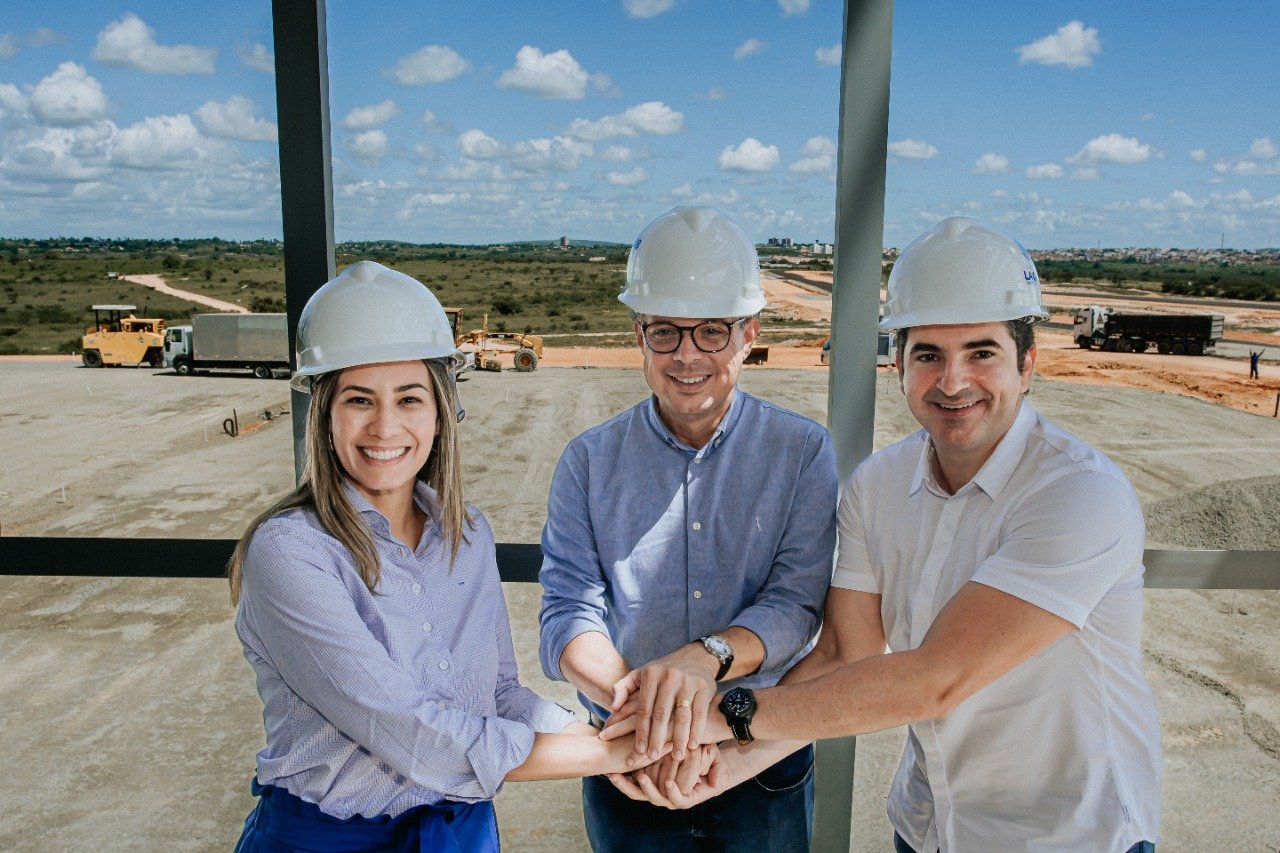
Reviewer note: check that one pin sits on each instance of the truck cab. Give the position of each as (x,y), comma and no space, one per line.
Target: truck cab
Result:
(1090,326)
(177,342)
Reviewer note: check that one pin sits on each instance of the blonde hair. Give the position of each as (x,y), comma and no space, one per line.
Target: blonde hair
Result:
(320,489)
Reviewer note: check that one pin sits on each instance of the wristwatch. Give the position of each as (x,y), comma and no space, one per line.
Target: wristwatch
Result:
(738,707)
(719,646)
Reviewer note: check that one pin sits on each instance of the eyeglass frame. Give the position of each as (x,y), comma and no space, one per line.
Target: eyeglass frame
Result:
(681,330)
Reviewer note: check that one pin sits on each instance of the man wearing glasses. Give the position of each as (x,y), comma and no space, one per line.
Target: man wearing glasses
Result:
(688,545)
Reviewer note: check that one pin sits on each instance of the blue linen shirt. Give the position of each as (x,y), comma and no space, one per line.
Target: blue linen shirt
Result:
(654,543)
(374,704)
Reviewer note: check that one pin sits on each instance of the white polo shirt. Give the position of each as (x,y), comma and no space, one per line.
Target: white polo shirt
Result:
(1062,752)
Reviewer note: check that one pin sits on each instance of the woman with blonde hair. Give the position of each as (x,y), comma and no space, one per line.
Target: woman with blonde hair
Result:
(370,605)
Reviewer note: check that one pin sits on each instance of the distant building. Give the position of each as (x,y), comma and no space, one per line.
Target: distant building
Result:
(564,242)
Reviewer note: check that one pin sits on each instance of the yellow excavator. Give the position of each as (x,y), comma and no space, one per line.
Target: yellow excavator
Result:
(116,338)
(486,346)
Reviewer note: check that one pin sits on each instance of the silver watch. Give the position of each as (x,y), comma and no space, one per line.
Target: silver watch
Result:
(720,648)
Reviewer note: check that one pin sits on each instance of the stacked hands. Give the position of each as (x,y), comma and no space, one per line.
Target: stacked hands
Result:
(670,709)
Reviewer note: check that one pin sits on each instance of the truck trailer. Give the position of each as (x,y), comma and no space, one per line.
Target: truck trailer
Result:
(254,342)
(1101,328)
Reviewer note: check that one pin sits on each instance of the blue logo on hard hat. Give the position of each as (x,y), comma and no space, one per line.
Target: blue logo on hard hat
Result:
(1030,275)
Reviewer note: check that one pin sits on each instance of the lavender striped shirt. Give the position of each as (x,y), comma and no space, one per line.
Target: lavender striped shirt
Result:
(374,704)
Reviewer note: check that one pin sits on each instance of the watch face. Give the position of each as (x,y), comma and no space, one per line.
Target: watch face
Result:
(718,646)
(739,703)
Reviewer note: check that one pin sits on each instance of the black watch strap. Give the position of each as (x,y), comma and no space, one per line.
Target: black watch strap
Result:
(739,707)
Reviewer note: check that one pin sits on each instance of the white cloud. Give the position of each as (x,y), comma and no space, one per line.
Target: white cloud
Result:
(991,164)
(685,190)
(478,145)
(819,156)
(431,64)
(11,100)
(236,118)
(1262,149)
(793,7)
(1073,46)
(130,43)
(258,57)
(58,154)
(559,154)
(910,149)
(8,45)
(829,55)
(1147,117)
(426,151)
(1044,171)
(750,47)
(368,147)
(1198,154)
(167,143)
(750,156)
(617,154)
(555,75)
(650,117)
(1178,198)
(716,93)
(68,96)
(374,115)
(646,8)
(1111,148)
(628,179)
(1086,173)
(433,124)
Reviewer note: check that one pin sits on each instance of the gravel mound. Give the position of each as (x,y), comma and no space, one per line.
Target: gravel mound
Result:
(1237,515)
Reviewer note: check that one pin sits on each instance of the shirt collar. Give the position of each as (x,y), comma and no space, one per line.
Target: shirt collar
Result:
(996,471)
(726,426)
(423,495)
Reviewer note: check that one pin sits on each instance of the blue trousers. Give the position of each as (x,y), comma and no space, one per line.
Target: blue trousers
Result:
(283,823)
(772,813)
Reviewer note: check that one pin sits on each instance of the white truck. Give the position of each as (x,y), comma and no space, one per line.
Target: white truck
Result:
(253,342)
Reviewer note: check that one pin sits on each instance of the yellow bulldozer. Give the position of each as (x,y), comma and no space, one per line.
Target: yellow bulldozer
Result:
(486,347)
(116,338)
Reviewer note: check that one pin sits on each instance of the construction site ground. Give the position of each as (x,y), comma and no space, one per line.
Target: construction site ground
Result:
(132,715)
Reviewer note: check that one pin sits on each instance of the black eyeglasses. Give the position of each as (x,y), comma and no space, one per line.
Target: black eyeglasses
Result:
(708,336)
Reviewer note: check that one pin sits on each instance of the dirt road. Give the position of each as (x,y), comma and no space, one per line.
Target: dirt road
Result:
(157,284)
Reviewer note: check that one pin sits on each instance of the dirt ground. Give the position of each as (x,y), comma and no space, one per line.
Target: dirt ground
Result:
(135,714)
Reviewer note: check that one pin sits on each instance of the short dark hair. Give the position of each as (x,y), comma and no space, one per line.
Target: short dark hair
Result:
(1022,331)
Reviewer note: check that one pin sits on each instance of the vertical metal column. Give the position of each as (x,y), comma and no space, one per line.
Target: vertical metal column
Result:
(855,309)
(306,176)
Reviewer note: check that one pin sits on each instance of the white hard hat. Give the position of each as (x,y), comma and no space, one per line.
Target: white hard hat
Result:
(693,262)
(961,271)
(370,314)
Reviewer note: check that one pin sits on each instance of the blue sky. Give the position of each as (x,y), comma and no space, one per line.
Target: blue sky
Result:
(1070,124)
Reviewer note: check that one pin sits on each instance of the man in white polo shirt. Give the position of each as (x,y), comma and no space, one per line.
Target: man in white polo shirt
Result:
(1000,559)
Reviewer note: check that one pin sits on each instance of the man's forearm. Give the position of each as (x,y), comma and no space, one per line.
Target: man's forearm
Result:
(592,665)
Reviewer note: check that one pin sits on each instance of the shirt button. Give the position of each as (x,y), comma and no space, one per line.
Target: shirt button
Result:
(417,588)
(697,525)
(697,593)
(697,462)
(444,665)
(426,627)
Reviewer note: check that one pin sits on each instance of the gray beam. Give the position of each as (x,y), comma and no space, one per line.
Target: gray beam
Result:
(855,309)
(306,177)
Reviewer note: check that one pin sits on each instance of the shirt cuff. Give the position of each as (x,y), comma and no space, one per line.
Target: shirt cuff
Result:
(563,636)
(503,747)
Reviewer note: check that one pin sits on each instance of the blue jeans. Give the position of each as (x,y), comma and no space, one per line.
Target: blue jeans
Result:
(282,823)
(901,846)
(772,812)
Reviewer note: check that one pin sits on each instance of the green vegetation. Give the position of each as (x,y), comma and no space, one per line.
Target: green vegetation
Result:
(1247,282)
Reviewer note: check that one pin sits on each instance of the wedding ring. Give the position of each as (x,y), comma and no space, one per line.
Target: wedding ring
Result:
(684,703)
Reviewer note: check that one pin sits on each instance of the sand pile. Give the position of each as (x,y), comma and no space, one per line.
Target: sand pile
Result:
(1238,515)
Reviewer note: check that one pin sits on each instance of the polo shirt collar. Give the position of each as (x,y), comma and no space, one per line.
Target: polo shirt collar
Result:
(726,426)
(996,471)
